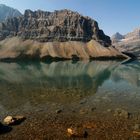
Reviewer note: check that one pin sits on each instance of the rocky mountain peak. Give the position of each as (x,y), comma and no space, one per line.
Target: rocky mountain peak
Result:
(117,37)
(8,12)
(60,25)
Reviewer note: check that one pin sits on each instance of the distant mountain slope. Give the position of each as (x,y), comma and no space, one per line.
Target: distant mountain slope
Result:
(134,35)
(117,37)
(130,43)
(6,12)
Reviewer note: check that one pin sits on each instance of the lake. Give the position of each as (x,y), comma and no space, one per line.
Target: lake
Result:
(56,95)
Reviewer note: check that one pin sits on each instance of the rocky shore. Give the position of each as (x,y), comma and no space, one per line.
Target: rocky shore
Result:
(91,124)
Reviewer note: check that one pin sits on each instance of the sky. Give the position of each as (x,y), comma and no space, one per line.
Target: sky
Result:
(112,15)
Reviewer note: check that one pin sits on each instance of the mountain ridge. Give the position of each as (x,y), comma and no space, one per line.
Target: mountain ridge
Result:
(8,12)
(62,34)
(130,43)
(61,25)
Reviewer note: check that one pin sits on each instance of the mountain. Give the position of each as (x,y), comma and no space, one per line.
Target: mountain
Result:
(130,43)
(60,34)
(117,37)
(8,12)
(134,35)
(61,25)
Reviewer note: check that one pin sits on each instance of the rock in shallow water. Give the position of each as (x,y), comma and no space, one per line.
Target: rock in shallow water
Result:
(77,132)
(58,111)
(10,120)
(136,134)
(121,113)
(136,127)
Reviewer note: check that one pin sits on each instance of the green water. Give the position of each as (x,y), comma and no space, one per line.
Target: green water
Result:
(31,86)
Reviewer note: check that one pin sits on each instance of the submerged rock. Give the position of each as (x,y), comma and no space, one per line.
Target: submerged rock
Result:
(9,120)
(136,134)
(58,111)
(83,111)
(77,132)
(136,127)
(121,113)
(90,125)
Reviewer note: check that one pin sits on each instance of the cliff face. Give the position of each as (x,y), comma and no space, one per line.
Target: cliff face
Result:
(61,26)
(8,12)
(60,34)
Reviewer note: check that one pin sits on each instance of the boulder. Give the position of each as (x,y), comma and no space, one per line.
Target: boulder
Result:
(10,120)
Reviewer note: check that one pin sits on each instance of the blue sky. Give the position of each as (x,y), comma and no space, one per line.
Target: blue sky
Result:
(112,15)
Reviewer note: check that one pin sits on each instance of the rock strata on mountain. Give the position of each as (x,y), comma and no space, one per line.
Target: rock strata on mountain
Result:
(61,25)
(59,34)
(8,12)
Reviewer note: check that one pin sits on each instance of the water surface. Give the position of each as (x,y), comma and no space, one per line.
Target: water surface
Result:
(37,85)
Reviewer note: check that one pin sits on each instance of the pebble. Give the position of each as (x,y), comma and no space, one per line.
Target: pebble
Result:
(83,102)
(58,111)
(109,110)
(10,120)
(136,127)
(93,108)
(77,132)
(90,126)
(83,111)
(136,134)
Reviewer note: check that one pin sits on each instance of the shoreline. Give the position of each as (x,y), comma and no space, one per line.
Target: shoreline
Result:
(54,126)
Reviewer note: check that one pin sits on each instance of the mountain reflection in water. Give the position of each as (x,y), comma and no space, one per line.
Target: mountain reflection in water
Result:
(27,84)
(57,74)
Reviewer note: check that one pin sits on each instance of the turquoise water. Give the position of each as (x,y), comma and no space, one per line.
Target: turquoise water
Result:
(30,86)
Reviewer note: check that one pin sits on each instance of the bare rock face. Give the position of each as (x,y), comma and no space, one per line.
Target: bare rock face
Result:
(60,34)
(63,25)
